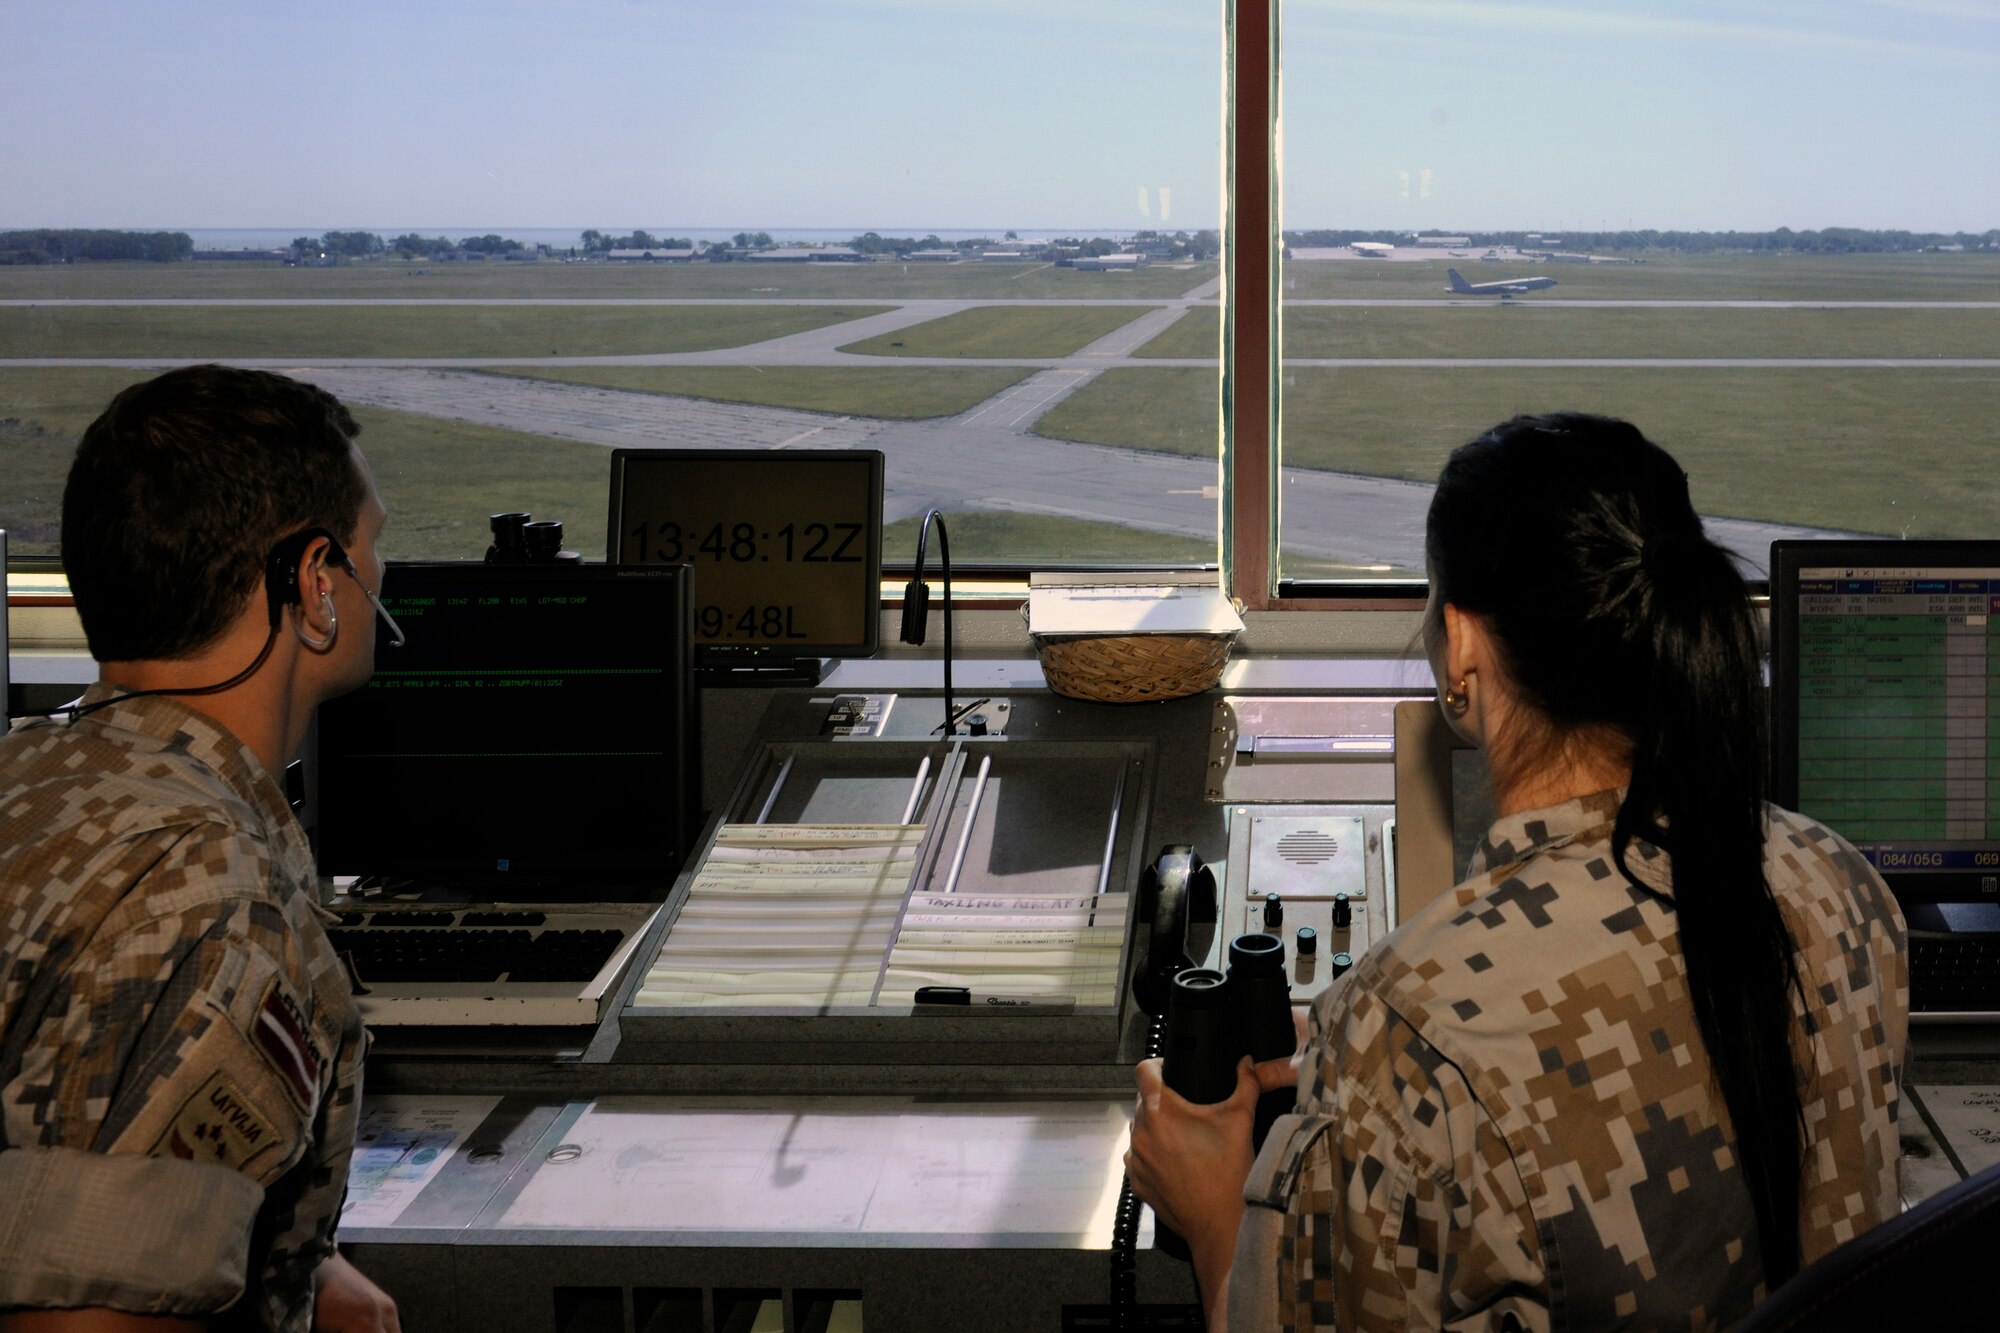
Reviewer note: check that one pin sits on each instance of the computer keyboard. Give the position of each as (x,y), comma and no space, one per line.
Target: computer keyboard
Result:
(467,952)
(1955,972)
(486,964)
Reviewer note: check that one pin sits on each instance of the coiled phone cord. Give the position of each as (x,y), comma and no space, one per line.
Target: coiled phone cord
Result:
(1125,1225)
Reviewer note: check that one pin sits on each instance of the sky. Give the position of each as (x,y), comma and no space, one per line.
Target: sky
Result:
(909,115)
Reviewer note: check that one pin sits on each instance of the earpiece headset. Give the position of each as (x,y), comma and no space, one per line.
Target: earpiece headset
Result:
(281,571)
(281,589)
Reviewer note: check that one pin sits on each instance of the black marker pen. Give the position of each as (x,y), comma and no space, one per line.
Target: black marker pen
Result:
(936,998)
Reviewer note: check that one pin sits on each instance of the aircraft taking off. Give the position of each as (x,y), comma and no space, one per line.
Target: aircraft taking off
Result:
(1509,287)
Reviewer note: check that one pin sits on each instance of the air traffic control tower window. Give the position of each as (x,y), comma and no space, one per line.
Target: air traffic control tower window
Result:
(1768,234)
(516,236)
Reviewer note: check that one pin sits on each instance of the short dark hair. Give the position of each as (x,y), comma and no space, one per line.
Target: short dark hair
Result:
(180,489)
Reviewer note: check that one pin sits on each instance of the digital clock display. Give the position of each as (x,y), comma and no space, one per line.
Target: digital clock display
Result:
(786,545)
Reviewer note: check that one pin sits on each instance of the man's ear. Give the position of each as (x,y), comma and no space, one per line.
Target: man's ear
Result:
(314,580)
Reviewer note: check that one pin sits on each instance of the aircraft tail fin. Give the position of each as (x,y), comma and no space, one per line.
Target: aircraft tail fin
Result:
(1458,282)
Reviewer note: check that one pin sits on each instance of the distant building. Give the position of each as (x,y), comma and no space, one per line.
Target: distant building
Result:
(1123,263)
(260,256)
(1006,256)
(1444,240)
(801,254)
(932,256)
(675,256)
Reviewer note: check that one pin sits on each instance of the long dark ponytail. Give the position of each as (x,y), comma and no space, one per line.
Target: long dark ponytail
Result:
(1573,537)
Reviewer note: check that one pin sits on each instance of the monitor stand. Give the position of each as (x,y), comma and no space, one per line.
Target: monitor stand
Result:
(756,671)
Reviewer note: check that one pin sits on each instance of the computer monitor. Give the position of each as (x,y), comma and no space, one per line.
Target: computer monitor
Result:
(786,546)
(534,739)
(1885,685)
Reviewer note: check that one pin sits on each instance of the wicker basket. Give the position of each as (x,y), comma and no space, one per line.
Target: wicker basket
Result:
(1132,668)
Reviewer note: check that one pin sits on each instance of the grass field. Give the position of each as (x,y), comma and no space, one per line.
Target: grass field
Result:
(401,281)
(196,332)
(1040,539)
(1526,329)
(902,393)
(1003,331)
(1676,277)
(1875,450)
(1902,452)
(440,479)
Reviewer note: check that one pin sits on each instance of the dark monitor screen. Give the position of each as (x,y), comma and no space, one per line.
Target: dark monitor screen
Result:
(786,544)
(1885,683)
(536,734)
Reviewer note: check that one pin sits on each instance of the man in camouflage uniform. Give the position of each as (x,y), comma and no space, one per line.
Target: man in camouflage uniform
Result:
(180,1056)
(1507,1117)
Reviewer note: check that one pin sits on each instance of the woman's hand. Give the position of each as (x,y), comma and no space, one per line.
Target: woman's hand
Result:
(1190,1161)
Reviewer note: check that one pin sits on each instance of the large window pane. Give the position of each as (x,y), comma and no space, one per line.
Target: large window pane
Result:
(513,236)
(1771,230)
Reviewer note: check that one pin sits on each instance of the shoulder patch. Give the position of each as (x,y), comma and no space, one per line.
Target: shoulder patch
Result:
(220,1124)
(285,1041)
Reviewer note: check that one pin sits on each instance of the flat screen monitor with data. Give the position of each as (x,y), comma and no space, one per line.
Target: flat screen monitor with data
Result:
(786,544)
(1885,683)
(535,738)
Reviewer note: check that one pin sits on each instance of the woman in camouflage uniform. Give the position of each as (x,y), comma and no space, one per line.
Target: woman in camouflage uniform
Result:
(1644,1063)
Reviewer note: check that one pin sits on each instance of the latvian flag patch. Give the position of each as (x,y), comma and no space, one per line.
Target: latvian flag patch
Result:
(281,1036)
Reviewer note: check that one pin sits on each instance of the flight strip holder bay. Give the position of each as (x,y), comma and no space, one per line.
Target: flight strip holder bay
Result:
(1006,832)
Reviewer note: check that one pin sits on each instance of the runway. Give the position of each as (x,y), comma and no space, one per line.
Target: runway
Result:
(982,459)
(937,306)
(987,457)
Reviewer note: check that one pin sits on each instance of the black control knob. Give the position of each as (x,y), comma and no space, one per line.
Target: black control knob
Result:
(1340,963)
(1343,912)
(1308,942)
(976,724)
(1274,912)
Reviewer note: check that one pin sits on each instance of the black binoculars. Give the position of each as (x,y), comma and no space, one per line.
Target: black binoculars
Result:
(518,541)
(1214,1020)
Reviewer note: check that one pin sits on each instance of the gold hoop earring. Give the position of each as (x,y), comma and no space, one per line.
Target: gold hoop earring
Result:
(319,645)
(1457,701)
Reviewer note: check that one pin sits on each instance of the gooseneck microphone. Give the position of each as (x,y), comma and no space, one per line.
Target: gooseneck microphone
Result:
(916,605)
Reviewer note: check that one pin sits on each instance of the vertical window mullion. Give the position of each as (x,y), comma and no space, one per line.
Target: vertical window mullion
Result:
(1250,308)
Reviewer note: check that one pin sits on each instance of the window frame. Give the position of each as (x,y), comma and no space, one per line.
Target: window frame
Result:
(1253,337)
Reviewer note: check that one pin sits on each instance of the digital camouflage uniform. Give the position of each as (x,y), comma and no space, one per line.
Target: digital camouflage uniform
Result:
(1507,1117)
(180,1064)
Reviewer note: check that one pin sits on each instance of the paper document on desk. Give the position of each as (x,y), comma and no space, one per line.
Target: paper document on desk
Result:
(787,915)
(1968,1116)
(862,1166)
(1192,603)
(402,1142)
(1004,945)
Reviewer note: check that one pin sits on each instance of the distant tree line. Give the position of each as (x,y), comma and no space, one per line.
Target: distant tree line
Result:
(1164,245)
(1825,241)
(410,245)
(601,243)
(62,246)
(345,244)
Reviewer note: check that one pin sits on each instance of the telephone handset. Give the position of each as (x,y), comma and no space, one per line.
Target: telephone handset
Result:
(1176,894)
